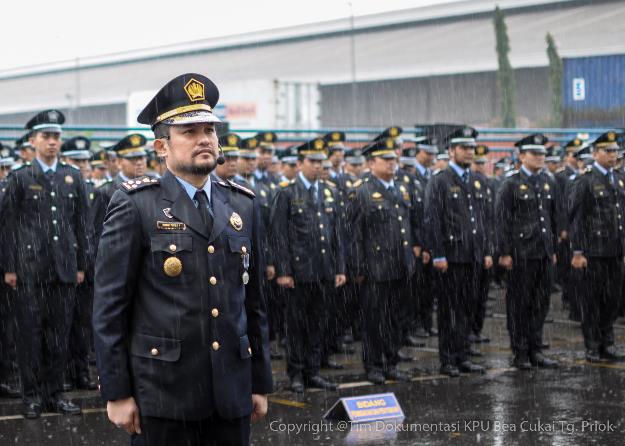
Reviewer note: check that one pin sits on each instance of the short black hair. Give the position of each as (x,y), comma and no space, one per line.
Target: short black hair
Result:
(161,131)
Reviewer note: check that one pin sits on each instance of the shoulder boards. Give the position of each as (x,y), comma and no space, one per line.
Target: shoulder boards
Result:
(240,188)
(357,183)
(89,181)
(15,169)
(437,171)
(330,183)
(284,183)
(561,169)
(272,186)
(138,184)
(511,173)
(406,179)
(72,166)
(63,163)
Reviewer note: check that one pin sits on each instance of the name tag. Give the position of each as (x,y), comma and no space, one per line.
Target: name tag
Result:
(171,225)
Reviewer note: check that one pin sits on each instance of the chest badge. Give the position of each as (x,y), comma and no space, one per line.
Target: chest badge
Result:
(523,187)
(69,179)
(172,266)
(167,212)
(376,196)
(236,221)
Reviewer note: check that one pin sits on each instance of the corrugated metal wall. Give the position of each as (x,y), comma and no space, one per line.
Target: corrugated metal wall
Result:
(470,98)
(594,90)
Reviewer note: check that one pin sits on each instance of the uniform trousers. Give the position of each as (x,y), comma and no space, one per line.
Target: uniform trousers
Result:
(527,303)
(213,431)
(43,313)
(600,285)
(457,296)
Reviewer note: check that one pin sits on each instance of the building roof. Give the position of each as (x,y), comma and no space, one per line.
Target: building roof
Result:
(435,40)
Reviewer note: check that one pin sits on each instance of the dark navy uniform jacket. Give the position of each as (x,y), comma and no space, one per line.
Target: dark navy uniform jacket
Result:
(307,234)
(45,224)
(384,228)
(527,216)
(456,218)
(596,214)
(175,324)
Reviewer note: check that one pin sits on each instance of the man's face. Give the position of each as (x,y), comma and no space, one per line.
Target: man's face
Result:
(355,169)
(425,158)
(336,159)
(382,167)
(462,155)
(83,165)
(4,171)
(289,170)
(27,154)
(532,160)
(264,158)
(228,169)
(111,166)
(605,157)
(191,149)
(311,169)
(98,173)
(479,168)
(132,167)
(246,166)
(275,168)
(46,144)
(553,166)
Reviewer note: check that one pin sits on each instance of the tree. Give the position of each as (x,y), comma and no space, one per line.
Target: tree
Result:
(505,74)
(555,81)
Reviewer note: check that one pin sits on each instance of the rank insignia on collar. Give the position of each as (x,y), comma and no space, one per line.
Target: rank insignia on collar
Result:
(236,221)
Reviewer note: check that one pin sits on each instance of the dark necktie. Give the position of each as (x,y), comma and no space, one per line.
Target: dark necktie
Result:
(204,207)
(610,177)
(465,177)
(313,194)
(427,174)
(50,176)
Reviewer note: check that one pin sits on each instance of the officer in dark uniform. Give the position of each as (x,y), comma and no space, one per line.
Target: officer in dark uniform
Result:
(426,153)
(75,151)
(229,144)
(564,181)
(527,230)
(476,323)
(306,233)
(25,148)
(131,159)
(336,153)
(384,230)
(598,244)
(45,212)
(179,317)
(288,157)
(98,166)
(456,209)
(265,149)
(7,319)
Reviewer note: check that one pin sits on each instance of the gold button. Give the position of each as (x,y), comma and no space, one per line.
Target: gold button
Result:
(215,345)
(323,238)
(321,226)
(243,249)
(211,249)
(318,214)
(405,243)
(215,312)
(249,350)
(53,208)
(323,251)
(154,352)
(213,281)
(399,218)
(173,247)
(403,231)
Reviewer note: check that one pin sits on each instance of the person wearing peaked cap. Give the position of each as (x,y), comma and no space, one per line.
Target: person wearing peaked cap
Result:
(598,244)
(553,159)
(25,148)
(528,228)
(155,163)
(309,263)
(458,239)
(407,160)
(75,151)
(336,152)
(442,162)
(44,207)
(382,249)
(265,150)
(229,144)
(99,166)
(391,132)
(289,163)
(179,261)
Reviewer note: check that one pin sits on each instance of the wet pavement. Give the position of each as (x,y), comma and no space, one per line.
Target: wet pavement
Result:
(577,404)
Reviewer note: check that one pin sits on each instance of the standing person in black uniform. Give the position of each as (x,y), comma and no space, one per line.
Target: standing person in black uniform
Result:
(426,152)
(527,230)
(229,144)
(45,211)
(336,153)
(75,151)
(179,316)
(381,220)
(598,244)
(309,262)
(131,161)
(7,297)
(265,150)
(457,236)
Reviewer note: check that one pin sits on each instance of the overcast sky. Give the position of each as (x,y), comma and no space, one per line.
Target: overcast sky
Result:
(38,32)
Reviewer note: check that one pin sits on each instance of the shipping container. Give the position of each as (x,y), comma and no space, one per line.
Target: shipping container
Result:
(594,91)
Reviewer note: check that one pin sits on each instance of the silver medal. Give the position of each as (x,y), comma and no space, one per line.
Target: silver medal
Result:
(246,278)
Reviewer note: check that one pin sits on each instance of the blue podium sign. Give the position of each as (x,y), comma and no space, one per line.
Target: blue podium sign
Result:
(360,409)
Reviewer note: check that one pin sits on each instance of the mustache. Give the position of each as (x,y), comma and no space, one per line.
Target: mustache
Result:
(202,150)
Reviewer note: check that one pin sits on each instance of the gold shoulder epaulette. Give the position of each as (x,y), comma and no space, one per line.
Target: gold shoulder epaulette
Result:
(138,184)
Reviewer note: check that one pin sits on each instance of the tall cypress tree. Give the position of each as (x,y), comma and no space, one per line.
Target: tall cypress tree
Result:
(505,74)
(555,81)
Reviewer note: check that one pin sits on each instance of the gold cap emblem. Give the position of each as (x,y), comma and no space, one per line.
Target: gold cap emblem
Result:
(236,221)
(232,140)
(135,140)
(394,131)
(336,136)
(611,136)
(390,143)
(318,144)
(194,90)
(172,266)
